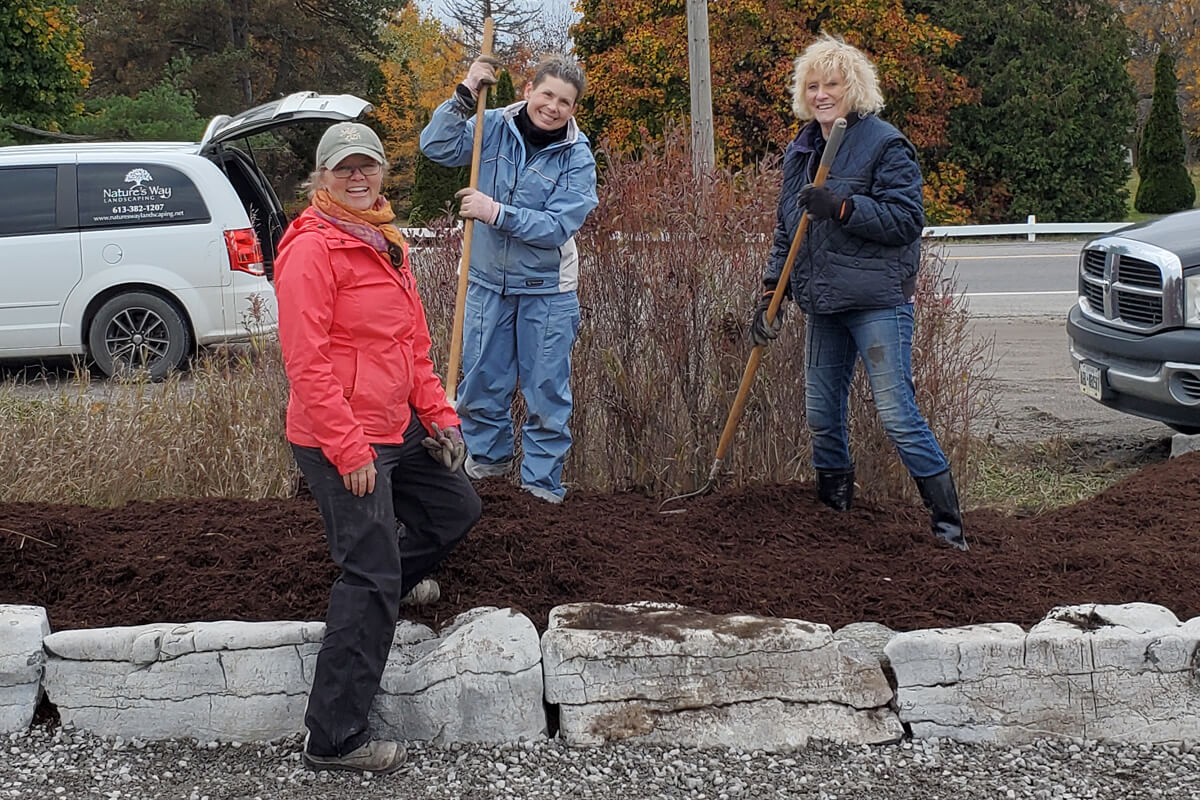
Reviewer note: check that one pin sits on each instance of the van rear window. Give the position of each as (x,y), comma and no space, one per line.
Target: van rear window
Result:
(112,195)
(27,200)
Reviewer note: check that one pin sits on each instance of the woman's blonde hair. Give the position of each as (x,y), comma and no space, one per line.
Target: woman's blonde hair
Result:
(829,55)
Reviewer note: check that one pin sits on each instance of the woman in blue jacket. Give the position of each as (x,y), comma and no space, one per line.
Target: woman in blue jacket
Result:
(855,275)
(537,184)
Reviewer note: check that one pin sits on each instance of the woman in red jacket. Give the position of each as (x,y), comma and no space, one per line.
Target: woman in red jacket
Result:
(372,431)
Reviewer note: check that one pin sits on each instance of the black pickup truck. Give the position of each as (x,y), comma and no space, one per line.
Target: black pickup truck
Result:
(1135,332)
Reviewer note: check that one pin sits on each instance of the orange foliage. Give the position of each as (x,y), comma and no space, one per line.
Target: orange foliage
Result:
(424,64)
(636,55)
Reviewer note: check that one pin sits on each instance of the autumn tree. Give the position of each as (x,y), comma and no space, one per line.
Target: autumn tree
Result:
(43,73)
(421,65)
(636,55)
(1165,185)
(1048,134)
(1171,25)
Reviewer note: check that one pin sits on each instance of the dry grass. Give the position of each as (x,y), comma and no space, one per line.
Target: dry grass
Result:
(215,432)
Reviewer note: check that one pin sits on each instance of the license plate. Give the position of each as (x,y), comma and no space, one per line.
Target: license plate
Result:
(1090,380)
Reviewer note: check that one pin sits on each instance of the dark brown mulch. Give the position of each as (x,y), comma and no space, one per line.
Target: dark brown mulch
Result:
(769,550)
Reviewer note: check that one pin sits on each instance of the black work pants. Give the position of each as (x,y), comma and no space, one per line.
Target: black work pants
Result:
(380,562)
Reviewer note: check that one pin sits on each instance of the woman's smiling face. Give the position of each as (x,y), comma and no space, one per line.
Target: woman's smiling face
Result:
(825,94)
(357,190)
(550,103)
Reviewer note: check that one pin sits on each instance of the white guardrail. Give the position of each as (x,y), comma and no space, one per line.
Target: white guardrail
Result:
(1030,229)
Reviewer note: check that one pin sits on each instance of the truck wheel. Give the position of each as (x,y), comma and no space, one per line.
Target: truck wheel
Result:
(1186,430)
(139,332)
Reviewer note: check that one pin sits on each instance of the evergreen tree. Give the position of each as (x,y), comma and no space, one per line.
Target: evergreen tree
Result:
(434,187)
(1048,134)
(503,93)
(1165,185)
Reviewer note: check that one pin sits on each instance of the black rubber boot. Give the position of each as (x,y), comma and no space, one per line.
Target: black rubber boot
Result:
(941,498)
(836,489)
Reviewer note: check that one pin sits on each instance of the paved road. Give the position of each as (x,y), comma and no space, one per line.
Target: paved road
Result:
(1024,279)
(1018,294)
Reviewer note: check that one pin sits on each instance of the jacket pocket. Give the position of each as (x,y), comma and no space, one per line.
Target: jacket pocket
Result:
(345,367)
(848,282)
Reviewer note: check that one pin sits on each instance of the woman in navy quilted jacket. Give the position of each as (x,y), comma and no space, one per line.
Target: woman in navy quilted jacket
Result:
(855,275)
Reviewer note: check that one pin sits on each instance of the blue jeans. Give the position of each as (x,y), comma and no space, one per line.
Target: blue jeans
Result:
(527,337)
(883,337)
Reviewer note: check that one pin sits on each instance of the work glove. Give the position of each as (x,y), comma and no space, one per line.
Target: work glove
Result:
(446,447)
(481,73)
(477,205)
(761,333)
(821,203)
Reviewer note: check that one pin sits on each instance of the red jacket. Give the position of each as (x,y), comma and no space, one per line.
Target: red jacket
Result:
(355,345)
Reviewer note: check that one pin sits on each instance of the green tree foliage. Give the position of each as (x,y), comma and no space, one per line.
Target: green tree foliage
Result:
(162,113)
(503,93)
(43,73)
(1048,134)
(1165,185)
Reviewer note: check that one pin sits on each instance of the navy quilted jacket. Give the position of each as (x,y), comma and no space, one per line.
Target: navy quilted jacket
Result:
(871,261)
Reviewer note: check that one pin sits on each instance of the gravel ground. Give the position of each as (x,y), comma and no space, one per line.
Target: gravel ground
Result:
(62,763)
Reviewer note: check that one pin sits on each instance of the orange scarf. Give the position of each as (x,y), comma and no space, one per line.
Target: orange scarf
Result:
(373,226)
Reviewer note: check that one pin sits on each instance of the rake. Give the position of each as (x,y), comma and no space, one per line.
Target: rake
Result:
(739,402)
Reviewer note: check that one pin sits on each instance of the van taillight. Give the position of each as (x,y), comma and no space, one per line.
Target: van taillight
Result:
(245,255)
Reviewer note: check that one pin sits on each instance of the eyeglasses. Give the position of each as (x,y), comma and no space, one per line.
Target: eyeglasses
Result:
(367,170)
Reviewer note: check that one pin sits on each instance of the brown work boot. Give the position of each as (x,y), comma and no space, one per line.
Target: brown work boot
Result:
(376,756)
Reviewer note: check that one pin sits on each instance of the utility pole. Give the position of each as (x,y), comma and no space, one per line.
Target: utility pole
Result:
(700,81)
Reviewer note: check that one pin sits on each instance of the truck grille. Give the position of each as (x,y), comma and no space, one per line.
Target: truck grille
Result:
(1136,272)
(1122,288)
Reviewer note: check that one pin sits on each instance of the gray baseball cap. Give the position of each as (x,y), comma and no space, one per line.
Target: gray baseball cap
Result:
(348,139)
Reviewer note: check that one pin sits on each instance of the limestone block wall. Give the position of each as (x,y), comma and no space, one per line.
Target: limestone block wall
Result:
(642,672)
(480,680)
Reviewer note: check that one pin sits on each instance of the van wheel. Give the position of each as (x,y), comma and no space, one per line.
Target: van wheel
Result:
(139,332)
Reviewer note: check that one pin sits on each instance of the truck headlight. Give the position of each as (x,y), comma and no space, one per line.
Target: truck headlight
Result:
(1191,301)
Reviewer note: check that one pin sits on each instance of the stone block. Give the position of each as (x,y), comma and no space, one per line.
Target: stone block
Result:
(227,681)
(1122,673)
(480,680)
(1182,444)
(22,629)
(664,673)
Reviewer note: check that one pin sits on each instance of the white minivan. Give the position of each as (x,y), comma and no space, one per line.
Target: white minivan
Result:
(134,254)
